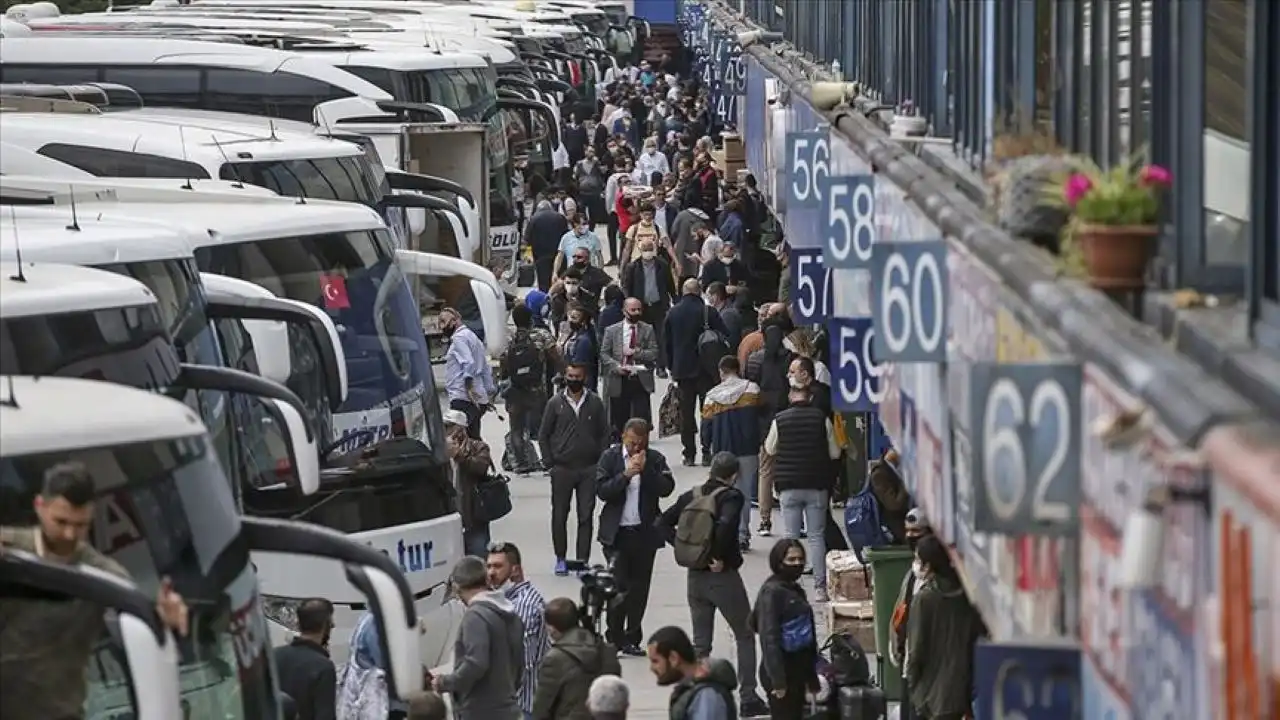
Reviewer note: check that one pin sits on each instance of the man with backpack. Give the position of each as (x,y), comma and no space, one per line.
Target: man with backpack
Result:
(576,658)
(696,340)
(702,525)
(524,365)
(702,689)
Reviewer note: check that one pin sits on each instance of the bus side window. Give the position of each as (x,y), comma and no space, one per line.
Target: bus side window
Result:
(49,74)
(160,86)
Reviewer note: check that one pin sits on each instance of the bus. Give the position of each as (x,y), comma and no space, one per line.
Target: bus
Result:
(164,509)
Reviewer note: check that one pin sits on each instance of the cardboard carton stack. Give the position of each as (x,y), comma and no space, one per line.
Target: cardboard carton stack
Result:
(850,609)
(735,157)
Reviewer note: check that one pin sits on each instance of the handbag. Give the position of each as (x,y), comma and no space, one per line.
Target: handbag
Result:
(798,633)
(669,413)
(492,496)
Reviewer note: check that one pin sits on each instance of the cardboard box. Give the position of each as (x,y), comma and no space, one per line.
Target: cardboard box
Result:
(847,579)
(734,150)
(854,618)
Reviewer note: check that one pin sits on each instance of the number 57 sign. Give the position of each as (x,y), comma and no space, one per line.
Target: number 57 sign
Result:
(1026,448)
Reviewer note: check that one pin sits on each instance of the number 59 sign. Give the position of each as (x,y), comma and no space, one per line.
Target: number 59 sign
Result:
(1026,448)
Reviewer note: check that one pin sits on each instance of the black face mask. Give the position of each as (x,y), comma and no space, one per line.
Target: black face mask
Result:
(791,573)
(634,317)
(581,264)
(575,325)
(574,384)
(912,542)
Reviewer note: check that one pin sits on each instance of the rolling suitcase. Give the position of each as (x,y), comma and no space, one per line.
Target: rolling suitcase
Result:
(862,702)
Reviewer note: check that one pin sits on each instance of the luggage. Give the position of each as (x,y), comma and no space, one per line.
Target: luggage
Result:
(862,702)
(669,413)
(492,498)
(519,454)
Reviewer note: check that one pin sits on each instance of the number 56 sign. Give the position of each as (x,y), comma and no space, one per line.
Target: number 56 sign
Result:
(1026,448)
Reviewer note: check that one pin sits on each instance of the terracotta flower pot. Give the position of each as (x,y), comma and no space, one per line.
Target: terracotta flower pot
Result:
(1116,256)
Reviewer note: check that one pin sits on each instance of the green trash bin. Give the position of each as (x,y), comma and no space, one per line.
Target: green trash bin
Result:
(889,565)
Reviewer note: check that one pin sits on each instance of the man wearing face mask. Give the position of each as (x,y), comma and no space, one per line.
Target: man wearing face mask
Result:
(570,291)
(686,242)
(468,379)
(802,441)
(650,280)
(727,269)
(303,668)
(580,235)
(917,526)
(628,353)
(575,430)
(651,161)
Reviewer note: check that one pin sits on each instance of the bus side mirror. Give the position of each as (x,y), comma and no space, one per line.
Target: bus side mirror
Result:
(375,575)
(285,406)
(417,218)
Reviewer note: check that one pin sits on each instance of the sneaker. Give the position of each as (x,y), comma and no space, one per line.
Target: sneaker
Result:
(690,462)
(562,568)
(661,373)
(752,706)
(631,650)
(765,529)
(706,458)
(803,535)
(820,595)
(744,546)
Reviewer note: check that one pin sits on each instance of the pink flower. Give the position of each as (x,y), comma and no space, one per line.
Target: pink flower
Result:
(1077,187)
(1155,175)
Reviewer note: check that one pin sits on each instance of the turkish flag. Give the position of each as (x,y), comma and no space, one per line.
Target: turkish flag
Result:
(334,289)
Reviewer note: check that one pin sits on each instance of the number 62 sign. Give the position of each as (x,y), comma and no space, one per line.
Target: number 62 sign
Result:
(1025,429)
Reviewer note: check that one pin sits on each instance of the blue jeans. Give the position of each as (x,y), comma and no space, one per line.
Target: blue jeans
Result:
(808,508)
(476,541)
(748,474)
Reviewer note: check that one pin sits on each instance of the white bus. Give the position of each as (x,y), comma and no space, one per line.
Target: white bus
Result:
(165,509)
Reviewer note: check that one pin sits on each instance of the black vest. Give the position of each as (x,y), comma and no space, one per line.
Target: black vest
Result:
(802,461)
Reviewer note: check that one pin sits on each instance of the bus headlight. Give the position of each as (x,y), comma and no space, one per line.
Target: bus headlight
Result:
(282,611)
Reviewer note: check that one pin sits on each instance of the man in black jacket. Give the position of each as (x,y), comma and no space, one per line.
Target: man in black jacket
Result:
(692,372)
(574,431)
(630,479)
(543,233)
(720,586)
(306,672)
(802,442)
(730,315)
(650,281)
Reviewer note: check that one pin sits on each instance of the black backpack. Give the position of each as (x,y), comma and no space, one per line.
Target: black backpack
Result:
(523,363)
(712,346)
(849,664)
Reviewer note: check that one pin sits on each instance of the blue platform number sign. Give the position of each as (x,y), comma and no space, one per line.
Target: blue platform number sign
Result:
(849,220)
(1027,682)
(738,72)
(909,301)
(811,295)
(808,157)
(1026,448)
(855,376)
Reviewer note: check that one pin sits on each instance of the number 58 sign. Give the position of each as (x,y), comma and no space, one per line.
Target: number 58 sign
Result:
(1026,448)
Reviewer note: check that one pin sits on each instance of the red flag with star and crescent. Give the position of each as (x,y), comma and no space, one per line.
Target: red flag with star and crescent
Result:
(334,289)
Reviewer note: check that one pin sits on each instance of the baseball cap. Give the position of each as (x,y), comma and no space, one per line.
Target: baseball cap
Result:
(917,520)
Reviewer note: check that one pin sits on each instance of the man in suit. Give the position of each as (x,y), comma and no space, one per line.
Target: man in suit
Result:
(650,281)
(628,353)
(630,479)
(691,371)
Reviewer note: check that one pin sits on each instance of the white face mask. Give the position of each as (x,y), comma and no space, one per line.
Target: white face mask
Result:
(795,382)
(726,260)
(648,254)
(917,568)
(571,288)
(790,346)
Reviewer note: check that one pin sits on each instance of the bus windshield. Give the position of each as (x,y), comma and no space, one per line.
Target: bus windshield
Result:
(346,179)
(180,296)
(164,510)
(128,346)
(354,277)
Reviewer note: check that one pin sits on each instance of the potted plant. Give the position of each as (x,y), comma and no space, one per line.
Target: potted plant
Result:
(1114,214)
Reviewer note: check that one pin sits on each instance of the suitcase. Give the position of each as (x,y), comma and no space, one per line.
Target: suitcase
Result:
(862,702)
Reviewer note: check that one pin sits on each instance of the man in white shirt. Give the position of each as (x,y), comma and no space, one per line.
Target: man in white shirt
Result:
(651,161)
(631,477)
